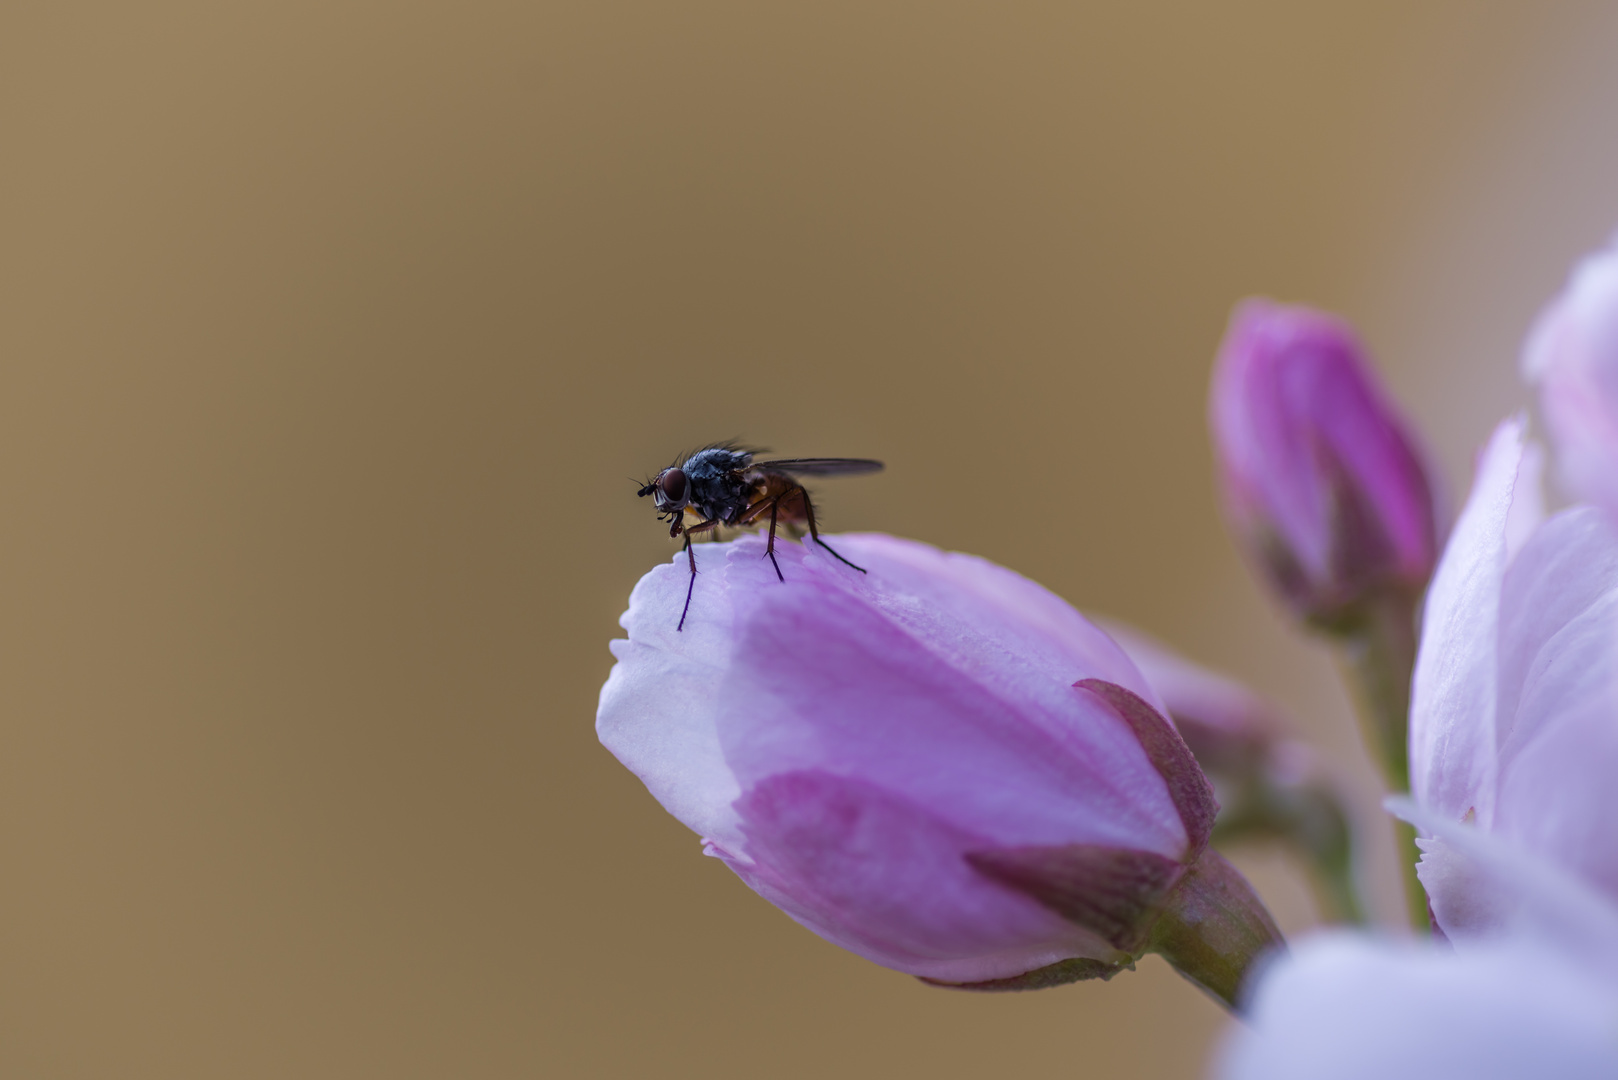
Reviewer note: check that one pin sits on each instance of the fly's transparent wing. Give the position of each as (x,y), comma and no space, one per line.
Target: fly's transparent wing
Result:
(821,466)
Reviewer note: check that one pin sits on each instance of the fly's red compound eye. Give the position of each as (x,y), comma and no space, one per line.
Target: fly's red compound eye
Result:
(673,484)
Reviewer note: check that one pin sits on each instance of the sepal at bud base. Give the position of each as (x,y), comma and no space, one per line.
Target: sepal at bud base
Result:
(1197,912)
(1270,785)
(1210,926)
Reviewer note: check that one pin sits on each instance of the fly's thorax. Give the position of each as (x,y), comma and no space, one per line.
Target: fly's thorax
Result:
(716,462)
(719,485)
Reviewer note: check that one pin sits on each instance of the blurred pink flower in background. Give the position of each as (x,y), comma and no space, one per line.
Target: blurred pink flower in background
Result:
(901,761)
(1572,354)
(1320,477)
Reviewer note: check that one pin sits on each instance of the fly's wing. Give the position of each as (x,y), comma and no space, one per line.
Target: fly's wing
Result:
(821,466)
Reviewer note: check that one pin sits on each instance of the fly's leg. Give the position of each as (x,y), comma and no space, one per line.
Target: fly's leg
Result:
(814,534)
(756,511)
(692,556)
(691,587)
(769,549)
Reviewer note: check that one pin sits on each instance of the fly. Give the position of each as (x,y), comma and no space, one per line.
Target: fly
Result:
(725,487)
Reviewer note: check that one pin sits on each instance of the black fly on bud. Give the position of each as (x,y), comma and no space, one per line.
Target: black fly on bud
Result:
(725,488)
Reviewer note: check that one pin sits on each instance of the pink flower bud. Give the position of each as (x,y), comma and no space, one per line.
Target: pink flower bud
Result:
(1320,479)
(1572,354)
(937,765)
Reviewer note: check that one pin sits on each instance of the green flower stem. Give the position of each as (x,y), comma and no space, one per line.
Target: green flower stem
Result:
(1214,929)
(1336,890)
(1379,654)
(1379,651)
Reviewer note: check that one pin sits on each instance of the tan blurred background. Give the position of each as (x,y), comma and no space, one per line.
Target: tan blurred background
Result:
(330,333)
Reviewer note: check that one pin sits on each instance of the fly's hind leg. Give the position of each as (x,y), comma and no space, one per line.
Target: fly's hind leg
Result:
(692,557)
(814,533)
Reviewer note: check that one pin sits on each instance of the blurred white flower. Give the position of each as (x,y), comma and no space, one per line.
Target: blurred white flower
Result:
(1355,1007)
(1572,354)
(1535,994)
(1514,712)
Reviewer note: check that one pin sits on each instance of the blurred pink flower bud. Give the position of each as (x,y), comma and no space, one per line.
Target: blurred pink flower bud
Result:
(1514,712)
(937,765)
(1572,354)
(1320,478)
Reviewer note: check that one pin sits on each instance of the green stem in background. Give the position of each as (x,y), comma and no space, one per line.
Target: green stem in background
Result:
(1379,652)
(1379,657)
(1308,817)
(1336,887)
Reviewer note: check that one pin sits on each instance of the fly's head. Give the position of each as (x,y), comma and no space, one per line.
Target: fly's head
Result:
(671,491)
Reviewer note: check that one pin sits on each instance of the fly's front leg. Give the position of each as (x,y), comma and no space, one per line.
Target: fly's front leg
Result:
(692,557)
(690,586)
(814,533)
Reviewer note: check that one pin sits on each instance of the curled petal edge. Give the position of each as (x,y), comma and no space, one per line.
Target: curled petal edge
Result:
(1532,896)
(1190,790)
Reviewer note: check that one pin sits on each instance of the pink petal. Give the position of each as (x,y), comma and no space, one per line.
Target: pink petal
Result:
(938,698)
(1018,615)
(1558,702)
(1464,899)
(1484,885)
(888,878)
(1573,354)
(1558,627)
(1453,696)
(659,706)
(1559,794)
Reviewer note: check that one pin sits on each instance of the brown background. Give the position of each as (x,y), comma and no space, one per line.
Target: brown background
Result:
(330,332)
